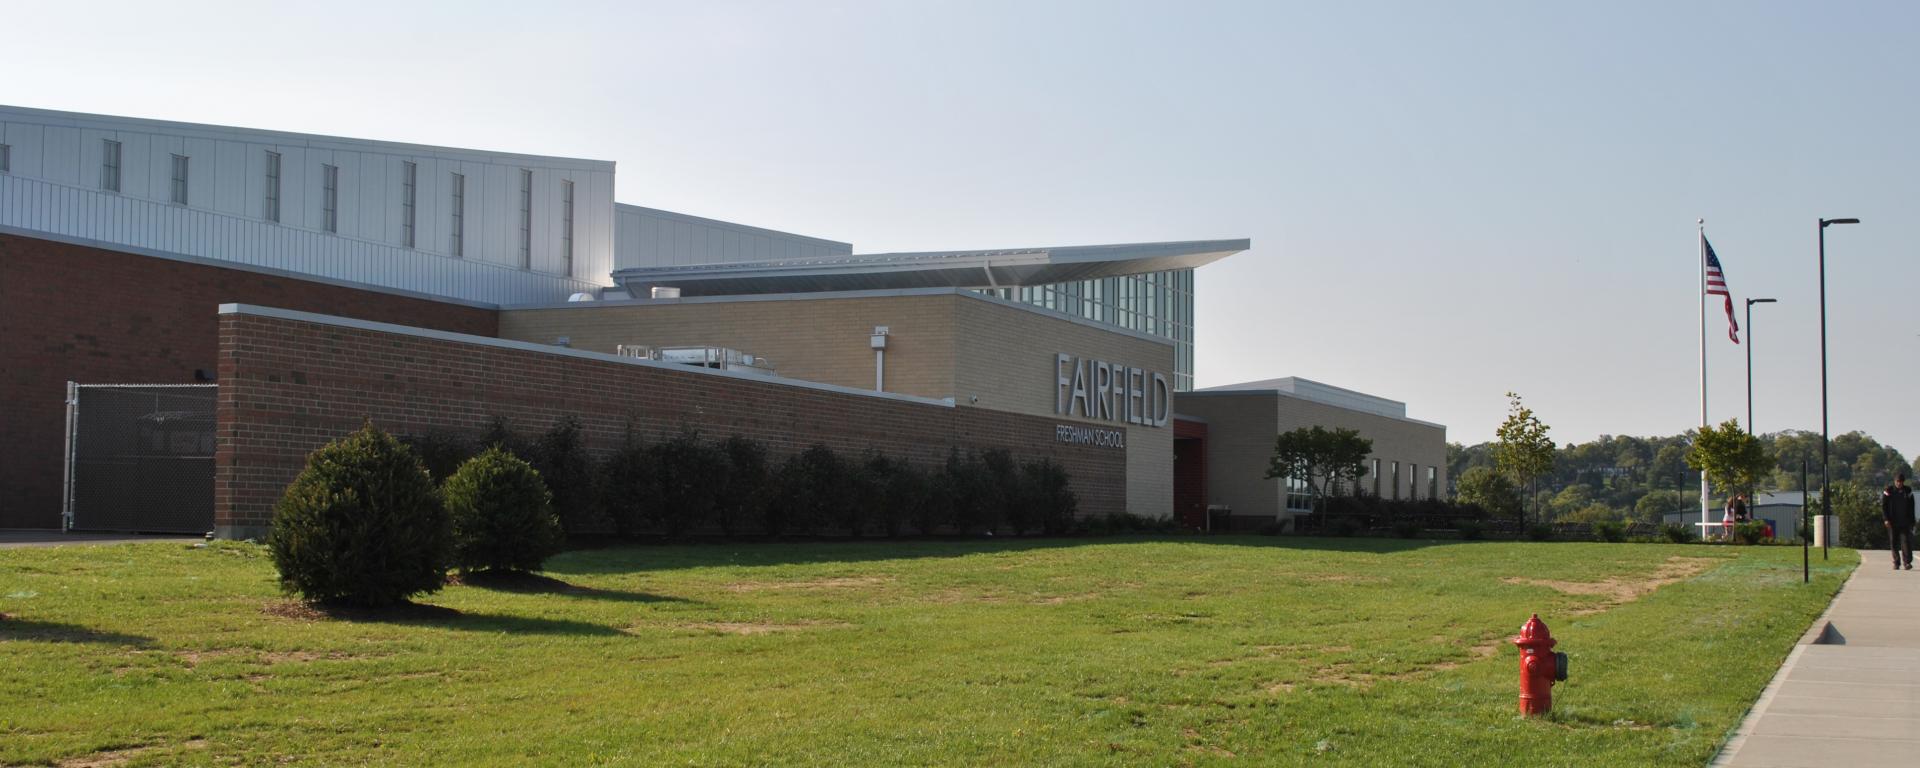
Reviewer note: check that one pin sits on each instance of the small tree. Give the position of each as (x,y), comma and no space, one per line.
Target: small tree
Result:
(363,524)
(1858,510)
(502,515)
(1732,459)
(1524,450)
(1490,490)
(1320,457)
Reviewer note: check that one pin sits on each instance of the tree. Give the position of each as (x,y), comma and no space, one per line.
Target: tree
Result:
(1524,450)
(1731,458)
(1489,489)
(1317,453)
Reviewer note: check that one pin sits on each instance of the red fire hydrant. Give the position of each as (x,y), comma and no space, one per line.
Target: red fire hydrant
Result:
(1539,667)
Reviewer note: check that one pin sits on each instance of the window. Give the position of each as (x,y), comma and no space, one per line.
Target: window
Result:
(1433,483)
(273,186)
(179,178)
(526,219)
(456,244)
(6,158)
(409,175)
(566,225)
(1373,470)
(1394,467)
(1413,481)
(110,165)
(330,198)
(1299,497)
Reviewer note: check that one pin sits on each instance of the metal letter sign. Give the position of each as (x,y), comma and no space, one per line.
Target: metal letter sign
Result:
(1097,389)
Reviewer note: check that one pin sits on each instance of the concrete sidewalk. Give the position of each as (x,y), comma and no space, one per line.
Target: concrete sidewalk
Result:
(1849,694)
(14,538)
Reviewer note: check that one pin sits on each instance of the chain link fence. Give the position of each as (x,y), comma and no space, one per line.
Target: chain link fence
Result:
(140,457)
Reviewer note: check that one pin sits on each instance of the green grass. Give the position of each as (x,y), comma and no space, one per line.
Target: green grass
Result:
(1106,652)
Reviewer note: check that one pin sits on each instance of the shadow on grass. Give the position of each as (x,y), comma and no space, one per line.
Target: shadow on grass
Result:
(14,628)
(644,557)
(535,584)
(440,617)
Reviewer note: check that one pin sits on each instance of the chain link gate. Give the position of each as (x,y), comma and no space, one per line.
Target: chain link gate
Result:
(140,457)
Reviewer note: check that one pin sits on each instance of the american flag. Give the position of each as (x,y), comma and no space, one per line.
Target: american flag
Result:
(1717,286)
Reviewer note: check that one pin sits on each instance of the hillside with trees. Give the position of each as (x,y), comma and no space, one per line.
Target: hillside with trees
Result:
(1621,477)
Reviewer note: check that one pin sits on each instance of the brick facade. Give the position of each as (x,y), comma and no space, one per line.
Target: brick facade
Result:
(79,313)
(290,384)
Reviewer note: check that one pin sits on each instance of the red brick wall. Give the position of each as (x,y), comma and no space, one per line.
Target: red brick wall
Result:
(75,313)
(289,386)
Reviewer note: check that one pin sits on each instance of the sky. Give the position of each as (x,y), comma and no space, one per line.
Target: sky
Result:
(1447,201)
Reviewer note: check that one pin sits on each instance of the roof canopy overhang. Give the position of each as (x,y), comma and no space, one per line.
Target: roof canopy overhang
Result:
(938,269)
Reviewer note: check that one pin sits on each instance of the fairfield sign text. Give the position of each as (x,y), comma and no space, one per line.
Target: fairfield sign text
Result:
(1096,389)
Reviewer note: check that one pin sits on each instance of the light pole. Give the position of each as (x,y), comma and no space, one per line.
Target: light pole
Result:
(1826,500)
(1750,303)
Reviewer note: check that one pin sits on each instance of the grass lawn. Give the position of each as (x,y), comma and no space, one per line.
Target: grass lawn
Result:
(1103,652)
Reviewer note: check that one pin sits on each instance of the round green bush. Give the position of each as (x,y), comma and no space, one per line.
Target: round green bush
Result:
(503,518)
(363,524)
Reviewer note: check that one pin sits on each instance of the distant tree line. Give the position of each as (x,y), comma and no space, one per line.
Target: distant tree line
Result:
(1638,479)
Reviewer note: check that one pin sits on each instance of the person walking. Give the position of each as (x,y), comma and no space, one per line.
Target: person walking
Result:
(1896,508)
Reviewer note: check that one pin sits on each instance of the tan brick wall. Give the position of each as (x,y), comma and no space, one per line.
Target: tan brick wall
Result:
(1007,358)
(942,345)
(1241,429)
(823,340)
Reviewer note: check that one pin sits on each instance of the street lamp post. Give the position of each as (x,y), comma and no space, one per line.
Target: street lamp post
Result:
(1826,499)
(1750,303)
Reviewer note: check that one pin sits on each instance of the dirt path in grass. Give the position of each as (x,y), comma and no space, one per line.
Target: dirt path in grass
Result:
(1620,591)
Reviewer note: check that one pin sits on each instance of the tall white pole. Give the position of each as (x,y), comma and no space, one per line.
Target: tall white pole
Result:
(1700,297)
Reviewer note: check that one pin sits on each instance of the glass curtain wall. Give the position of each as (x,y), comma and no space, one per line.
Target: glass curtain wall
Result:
(1157,303)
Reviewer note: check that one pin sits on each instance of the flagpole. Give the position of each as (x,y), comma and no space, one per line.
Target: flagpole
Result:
(1700,298)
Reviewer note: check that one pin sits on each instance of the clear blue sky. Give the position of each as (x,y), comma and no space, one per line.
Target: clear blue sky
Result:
(1446,200)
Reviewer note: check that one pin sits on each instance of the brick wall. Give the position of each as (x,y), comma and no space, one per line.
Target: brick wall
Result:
(70,312)
(289,385)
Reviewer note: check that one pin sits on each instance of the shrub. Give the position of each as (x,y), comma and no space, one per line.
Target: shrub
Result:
(362,524)
(972,492)
(686,473)
(739,501)
(502,515)
(865,502)
(1540,532)
(1678,533)
(1000,493)
(441,453)
(1407,529)
(626,491)
(935,511)
(1049,490)
(1470,530)
(811,488)
(1612,531)
(560,456)
(905,496)
(1751,532)
(1269,529)
(1343,527)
